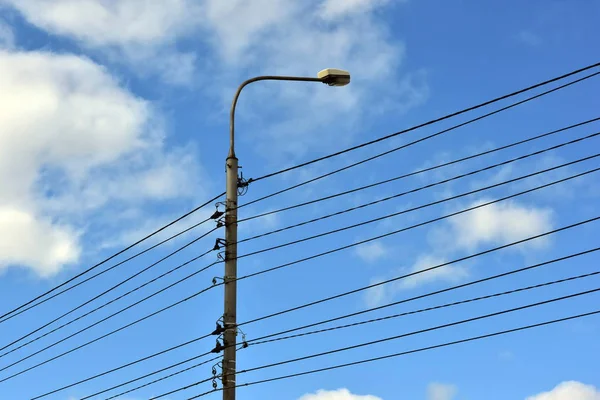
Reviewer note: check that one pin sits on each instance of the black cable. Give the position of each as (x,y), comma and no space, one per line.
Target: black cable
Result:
(2,317)
(259,341)
(408,210)
(418,272)
(105,292)
(118,329)
(423,310)
(446,344)
(337,249)
(474,255)
(420,331)
(418,140)
(106,304)
(472,108)
(409,175)
(154,381)
(422,296)
(137,361)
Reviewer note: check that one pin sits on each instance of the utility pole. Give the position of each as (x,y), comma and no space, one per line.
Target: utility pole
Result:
(331,77)
(230,282)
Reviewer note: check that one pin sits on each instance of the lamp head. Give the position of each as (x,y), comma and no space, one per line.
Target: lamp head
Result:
(334,77)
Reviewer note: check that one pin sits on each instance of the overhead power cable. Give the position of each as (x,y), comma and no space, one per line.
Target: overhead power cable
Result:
(123,366)
(265,339)
(422,125)
(113,331)
(30,303)
(418,140)
(370,286)
(423,310)
(404,229)
(481,205)
(120,283)
(401,336)
(407,300)
(432,268)
(408,210)
(417,172)
(422,296)
(394,355)
(135,289)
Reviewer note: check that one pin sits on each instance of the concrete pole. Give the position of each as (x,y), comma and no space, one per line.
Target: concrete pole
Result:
(229,317)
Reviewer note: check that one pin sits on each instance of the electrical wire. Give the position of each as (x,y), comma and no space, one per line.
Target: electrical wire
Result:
(422,125)
(337,249)
(262,340)
(415,273)
(104,293)
(422,296)
(471,256)
(405,211)
(253,341)
(417,141)
(106,304)
(151,382)
(424,310)
(421,331)
(394,355)
(417,172)
(24,307)
(123,366)
(115,330)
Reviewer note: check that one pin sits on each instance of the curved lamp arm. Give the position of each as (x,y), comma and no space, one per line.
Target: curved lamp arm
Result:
(246,83)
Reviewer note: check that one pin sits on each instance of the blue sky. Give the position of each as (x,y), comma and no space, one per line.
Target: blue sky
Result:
(113,121)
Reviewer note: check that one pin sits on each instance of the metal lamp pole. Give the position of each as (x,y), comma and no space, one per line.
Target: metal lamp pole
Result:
(332,77)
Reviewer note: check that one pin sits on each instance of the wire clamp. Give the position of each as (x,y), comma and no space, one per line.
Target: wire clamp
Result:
(216,279)
(218,243)
(218,348)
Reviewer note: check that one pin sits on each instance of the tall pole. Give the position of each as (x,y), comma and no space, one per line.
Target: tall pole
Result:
(231,204)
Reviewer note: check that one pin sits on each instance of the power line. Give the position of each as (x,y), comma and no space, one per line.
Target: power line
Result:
(418,140)
(106,304)
(374,285)
(106,292)
(20,309)
(123,366)
(413,174)
(446,344)
(116,330)
(253,341)
(474,255)
(423,310)
(463,111)
(418,332)
(430,203)
(262,340)
(337,249)
(425,295)
(151,382)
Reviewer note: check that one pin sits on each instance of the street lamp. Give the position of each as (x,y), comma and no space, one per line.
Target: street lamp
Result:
(331,77)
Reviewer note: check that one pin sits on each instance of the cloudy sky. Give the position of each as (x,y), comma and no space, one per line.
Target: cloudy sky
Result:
(113,121)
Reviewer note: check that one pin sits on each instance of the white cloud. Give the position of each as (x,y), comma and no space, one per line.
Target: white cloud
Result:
(74,143)
(371,252)
(341,394)
(440,391)
(448,273)
(376,295)
(498,223)
(569,391)
(331,9)
(135,31)
(99,23)
(7,37)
